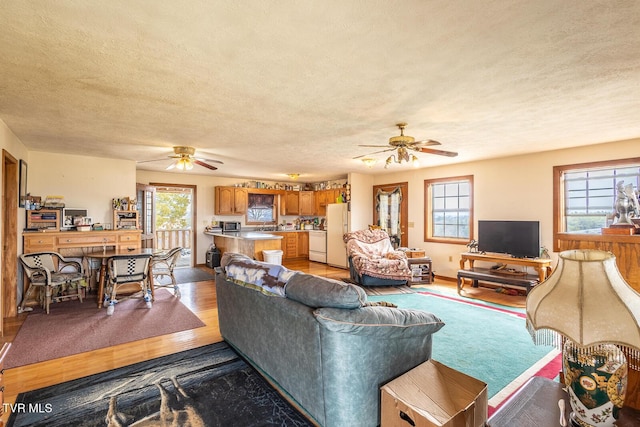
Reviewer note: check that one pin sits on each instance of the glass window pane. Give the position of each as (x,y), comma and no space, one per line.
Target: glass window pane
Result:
(451,189)
(438,190)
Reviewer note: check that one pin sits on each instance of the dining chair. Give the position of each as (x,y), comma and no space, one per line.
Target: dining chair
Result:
(162,265)
(59,277)
(124,271)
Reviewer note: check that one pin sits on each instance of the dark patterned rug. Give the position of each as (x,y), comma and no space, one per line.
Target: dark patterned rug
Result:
(208,386)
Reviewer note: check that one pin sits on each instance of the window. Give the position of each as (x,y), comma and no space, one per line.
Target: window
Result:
(261,208)
(587,194)
(449,209)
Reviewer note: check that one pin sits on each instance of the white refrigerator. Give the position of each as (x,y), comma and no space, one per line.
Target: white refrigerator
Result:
(337,225)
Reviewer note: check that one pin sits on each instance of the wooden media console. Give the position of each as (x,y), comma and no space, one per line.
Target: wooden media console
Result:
(506,277)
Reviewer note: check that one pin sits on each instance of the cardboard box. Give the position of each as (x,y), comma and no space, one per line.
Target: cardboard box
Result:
(415,253)
(434,395)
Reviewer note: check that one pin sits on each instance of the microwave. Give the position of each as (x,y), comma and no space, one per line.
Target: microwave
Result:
(230,226)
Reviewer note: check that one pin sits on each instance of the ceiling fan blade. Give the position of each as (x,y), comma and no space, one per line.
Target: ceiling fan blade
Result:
(375,152)
(426,143)
(171,166)
(375,146)
(438,152)
(148,161)
(203,164)
(209,160)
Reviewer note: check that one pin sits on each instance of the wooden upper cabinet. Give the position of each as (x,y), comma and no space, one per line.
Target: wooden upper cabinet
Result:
(307,203)
(230,201)
(292,203)
(323,198)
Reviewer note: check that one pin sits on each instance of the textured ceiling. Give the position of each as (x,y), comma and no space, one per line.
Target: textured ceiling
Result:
(271,88)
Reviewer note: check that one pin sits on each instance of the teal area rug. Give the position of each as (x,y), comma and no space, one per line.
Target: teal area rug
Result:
(484,340)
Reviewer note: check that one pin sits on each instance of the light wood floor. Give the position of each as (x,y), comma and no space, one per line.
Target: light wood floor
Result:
(199,297)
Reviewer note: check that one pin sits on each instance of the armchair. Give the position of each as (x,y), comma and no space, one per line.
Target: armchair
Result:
(373,261)
(60,278)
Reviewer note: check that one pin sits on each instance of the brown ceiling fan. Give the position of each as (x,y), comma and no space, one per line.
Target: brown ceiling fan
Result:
(403,143)
(185,159)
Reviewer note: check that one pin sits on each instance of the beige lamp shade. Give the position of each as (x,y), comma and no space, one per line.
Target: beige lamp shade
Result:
(586,300)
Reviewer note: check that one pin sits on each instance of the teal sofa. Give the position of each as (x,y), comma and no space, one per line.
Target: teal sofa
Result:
(318,340)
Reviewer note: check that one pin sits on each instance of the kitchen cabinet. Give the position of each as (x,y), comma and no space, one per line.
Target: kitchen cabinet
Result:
(307,203)
(303,244)
(295,244)
(230,201)
(291,203)
(323,198)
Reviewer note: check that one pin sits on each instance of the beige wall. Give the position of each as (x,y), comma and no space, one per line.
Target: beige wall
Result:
(510,188)
(84,181)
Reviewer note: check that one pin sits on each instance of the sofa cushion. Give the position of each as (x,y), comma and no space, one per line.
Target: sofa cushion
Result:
(384,322)
(315,291)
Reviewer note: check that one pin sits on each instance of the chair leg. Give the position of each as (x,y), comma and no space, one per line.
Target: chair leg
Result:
(147,292)
(47,298)
(110,300)
(28,294)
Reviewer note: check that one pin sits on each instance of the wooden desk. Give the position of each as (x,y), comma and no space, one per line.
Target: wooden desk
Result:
(104,257)
(542,266)
(65,241)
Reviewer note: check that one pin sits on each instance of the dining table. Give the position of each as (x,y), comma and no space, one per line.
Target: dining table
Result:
(104,256)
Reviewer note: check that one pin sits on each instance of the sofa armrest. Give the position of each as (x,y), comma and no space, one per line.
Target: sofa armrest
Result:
(384,322)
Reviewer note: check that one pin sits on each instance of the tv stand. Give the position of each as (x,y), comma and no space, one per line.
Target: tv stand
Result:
(527,281)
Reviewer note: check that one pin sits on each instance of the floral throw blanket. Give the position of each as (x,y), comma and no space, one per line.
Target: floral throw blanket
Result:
(372,254)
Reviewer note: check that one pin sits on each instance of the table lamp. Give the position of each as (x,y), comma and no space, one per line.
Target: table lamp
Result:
(586,308)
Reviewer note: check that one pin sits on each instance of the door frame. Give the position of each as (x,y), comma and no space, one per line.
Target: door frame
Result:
(9,267)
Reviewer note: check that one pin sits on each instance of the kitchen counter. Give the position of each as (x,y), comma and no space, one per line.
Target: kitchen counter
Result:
(250,243)
(247,235)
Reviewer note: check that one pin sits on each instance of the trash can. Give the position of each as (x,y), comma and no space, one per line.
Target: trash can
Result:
(273,256)
(213,258)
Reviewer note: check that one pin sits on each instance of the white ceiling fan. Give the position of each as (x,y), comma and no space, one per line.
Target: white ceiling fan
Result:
(185,159)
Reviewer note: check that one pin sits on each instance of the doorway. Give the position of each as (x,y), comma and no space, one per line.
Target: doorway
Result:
(391,211)
(175,207)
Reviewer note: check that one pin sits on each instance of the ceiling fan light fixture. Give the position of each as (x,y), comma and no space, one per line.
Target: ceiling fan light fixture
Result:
(369,162)
(184,164)
(415,162)
(390,159)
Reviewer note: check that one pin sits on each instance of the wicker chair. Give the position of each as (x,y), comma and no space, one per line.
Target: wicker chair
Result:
(60,278)
(124,271)
(162,265)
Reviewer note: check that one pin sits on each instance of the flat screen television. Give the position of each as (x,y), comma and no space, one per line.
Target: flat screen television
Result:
(520,239)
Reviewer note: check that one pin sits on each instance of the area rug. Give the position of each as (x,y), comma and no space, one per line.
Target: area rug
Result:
(484,340)
(73,327)
(188,275)
(207,386)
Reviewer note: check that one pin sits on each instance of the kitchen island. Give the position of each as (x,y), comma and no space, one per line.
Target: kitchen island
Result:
(250,243)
